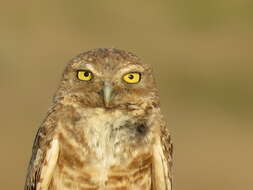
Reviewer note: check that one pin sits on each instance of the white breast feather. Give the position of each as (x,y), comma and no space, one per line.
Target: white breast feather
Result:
(98,127)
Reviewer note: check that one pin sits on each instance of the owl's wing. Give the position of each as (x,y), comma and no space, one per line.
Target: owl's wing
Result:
(42,163)
(162,162)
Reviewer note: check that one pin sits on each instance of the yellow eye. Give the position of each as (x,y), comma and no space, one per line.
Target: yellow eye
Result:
(84,75)
(132,78)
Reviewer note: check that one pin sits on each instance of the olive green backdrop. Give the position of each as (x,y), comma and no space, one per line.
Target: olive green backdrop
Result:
(202,54)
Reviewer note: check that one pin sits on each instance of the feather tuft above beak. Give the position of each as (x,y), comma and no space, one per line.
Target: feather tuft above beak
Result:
(107,93)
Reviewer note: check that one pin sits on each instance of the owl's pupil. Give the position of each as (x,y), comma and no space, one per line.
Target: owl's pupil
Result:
(131,77)
(86,74)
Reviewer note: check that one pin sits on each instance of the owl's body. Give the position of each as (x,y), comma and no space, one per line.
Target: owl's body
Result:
(95,139)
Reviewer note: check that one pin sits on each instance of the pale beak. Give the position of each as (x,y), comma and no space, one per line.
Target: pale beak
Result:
(107,90)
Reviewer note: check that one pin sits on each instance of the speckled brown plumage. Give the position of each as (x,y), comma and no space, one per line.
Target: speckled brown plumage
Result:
(85,144)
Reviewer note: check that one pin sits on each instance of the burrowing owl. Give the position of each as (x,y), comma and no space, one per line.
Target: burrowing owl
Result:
(104,130)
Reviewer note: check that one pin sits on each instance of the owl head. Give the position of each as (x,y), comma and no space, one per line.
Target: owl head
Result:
(107,78)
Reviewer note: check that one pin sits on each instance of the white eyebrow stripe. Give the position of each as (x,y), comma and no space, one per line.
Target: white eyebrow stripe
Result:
(89,67)
(132,68)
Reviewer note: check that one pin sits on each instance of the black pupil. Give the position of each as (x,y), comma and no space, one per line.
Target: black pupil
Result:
(131,77)
(86,74)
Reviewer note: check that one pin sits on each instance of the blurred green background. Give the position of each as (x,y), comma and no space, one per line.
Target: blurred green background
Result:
(202,56)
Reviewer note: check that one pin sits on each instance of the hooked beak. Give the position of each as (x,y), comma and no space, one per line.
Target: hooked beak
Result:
(107,92)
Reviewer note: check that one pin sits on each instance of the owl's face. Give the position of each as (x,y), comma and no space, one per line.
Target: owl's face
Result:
(108,78)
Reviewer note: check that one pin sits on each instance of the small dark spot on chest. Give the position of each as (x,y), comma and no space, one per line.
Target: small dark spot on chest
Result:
(141,129)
